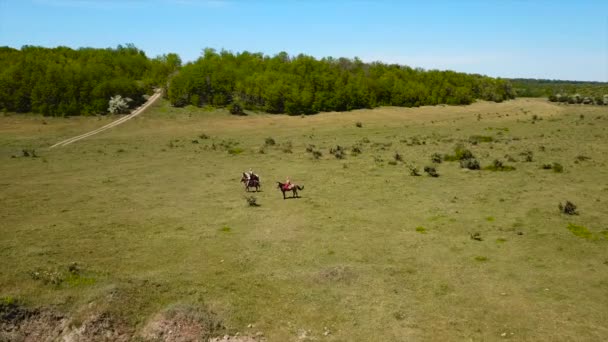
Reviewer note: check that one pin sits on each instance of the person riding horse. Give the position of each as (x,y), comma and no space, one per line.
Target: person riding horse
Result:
(250,179)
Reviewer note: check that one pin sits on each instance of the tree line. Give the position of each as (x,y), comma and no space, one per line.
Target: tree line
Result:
(561,91)
(62,81)
(305,85)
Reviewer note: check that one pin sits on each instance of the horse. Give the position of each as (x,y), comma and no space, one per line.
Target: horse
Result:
(251,182)
(294,189)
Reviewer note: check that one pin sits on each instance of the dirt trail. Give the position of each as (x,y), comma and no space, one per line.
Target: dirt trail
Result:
(138,111)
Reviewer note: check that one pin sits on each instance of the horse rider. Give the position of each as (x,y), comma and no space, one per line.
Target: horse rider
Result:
(250,175)
(287,186)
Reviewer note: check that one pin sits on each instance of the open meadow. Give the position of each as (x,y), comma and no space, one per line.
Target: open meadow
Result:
(143,232)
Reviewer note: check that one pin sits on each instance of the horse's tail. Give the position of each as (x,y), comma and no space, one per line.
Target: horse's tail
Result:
(300,187)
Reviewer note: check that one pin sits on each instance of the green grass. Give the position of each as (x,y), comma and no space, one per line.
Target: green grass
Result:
(580,231)
(421,230)
(156,227)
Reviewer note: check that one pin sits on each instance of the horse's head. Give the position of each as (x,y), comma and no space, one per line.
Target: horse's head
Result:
(244,178)
(280,185)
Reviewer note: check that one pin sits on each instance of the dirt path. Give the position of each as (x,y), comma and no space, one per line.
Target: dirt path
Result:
(138,111)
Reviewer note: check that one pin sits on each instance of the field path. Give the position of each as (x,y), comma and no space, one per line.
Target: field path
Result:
(115,123)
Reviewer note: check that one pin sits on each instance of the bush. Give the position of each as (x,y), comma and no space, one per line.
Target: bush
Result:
(398,157)
(252,201)
(471,164)
(29,153)
(287,147)
(310,148)
(355,151)
(338,152)
(414,171)
(235,108)
(475,139)
(460,153)
(546,167)
(317,154)
(119,105)
(436,158)
(557,167)
(203,136)
(528,155)
(359,124)
(568,208)
(235,150)
(269,142)
(497,165)
(431,171)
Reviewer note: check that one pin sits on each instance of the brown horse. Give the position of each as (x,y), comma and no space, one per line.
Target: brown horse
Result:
(294,189)
(251,182)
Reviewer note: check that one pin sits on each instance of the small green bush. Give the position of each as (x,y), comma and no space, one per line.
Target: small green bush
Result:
(236,108)
(471,164)
(546,166)
(359,124)
(414,171)
(252,201)
(235,150)
(269,142)
(431,171)
(436,158)
(568,208)
(460,153)
(497,165)
(476,139)
(421,230)
(558,168)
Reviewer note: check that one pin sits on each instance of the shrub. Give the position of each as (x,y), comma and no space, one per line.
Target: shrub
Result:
(557,167)
(356,150)
(338,152)
(398,157)
(252,201)
(431,171)
(475,139)
(436,158)
(119,105)
(310,148)
(471,164)
(287,147)
(582,158)
(528,156)
(568,208)
(359,124)
(269,142)
(203,136)
(546,166)
(460,153)
(235,150)
(497,165)
(317,154)
(29,153)
(414,171)
(235,108)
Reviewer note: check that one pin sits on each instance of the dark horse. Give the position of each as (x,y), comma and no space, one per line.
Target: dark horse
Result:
(251,182)
(294,189)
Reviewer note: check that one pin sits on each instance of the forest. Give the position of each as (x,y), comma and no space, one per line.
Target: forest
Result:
(62,81)
(304,85)
(558,89)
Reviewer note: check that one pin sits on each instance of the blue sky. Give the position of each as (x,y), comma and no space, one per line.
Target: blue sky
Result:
(533,39)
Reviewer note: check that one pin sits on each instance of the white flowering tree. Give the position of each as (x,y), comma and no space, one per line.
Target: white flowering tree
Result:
(119,105)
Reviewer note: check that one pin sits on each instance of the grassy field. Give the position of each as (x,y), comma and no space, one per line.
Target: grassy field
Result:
(149,218)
